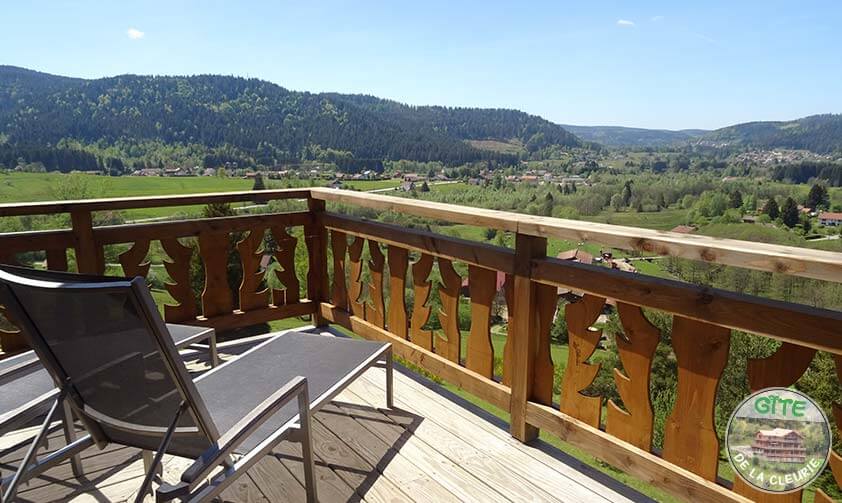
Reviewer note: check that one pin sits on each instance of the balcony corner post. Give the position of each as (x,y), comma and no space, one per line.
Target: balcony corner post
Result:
(89,256)
(525,334)
(317,279)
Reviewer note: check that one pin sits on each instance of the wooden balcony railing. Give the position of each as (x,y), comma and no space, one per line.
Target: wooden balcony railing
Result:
(357,277)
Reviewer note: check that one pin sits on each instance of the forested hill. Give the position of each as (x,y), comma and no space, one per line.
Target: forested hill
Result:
(618,136)
(818,133)
(251,117)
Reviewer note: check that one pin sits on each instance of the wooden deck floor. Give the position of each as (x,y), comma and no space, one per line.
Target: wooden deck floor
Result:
(431,447)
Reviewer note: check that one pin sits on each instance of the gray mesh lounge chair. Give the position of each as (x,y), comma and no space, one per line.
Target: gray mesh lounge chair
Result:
(27,390)
(137,392)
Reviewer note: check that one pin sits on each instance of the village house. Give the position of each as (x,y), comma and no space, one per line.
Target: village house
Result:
(829,218)
(780,445)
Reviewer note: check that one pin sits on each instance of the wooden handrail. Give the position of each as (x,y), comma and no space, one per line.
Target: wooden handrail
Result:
(794,261)
(125,203)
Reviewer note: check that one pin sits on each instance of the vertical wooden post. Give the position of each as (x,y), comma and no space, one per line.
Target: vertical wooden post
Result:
(525,333)
(317,280)
(89,256)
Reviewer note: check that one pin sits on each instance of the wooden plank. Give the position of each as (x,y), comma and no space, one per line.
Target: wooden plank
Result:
(134,261)
(243,490)
(466,472)
(125,203)
(463,250)
(17,242)
(784,321)
(525,334)
(57,259)
(276,481)
(375,311)
(285,255)
(355,280)
(421,287)
(480,352)
(805,262)
(470,381)
(398,264)
(638,463)
(449,346)
(331,488)
(216,296)
(544,472)
(690,439)
(433,479)
(315,236)
(350,467)
(637,349)
(178,267)
(126,233)
(579,374)
(89,256)
(250,250)
(339,246)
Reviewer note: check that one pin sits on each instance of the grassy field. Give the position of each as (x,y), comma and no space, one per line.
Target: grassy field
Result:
(663,220)
(372,184)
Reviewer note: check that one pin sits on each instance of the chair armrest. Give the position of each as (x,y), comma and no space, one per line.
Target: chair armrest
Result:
(226,444)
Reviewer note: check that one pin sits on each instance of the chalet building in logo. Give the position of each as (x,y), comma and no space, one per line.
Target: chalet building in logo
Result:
(778,440)
(780,444)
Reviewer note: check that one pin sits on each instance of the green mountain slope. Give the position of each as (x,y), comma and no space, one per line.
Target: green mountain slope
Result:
(252,117)
(618,136)
(818,133)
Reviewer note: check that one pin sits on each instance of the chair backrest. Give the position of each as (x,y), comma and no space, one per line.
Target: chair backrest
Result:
(103,341)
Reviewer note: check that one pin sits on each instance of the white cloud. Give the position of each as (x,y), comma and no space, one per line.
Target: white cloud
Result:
(655,19)
(134,33)
(624,22)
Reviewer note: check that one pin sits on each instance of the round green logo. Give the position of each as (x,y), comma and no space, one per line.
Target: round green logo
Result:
(778,440)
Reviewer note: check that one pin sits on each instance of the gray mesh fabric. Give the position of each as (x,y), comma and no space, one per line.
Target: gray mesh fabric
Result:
(100,338)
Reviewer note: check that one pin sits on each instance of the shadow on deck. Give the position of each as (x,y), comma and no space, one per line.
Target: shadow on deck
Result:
(433,446)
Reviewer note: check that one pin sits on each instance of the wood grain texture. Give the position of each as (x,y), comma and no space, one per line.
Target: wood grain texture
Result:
(462,250)
(339,291)
(547,300)
(637,349)
(355,280)
(787,322)
(315,237)
(57,259)
(125,203)
(579,374)
(398,265)
(421,288)
(216,296)
(643,465)
(251,251)
(127,233)
(480,352)
(285,255)
(781,369)
(89,254)
(450,346)
(795,261)
(178,267)
(509,296)
(375,310)
(690,440)
(134,261)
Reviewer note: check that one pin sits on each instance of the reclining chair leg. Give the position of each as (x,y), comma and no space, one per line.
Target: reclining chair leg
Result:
(307,446)
(152,467)
(390,389)
(30,456)
(70,437)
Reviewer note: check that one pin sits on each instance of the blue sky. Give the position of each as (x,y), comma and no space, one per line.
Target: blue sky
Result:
(667,64)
